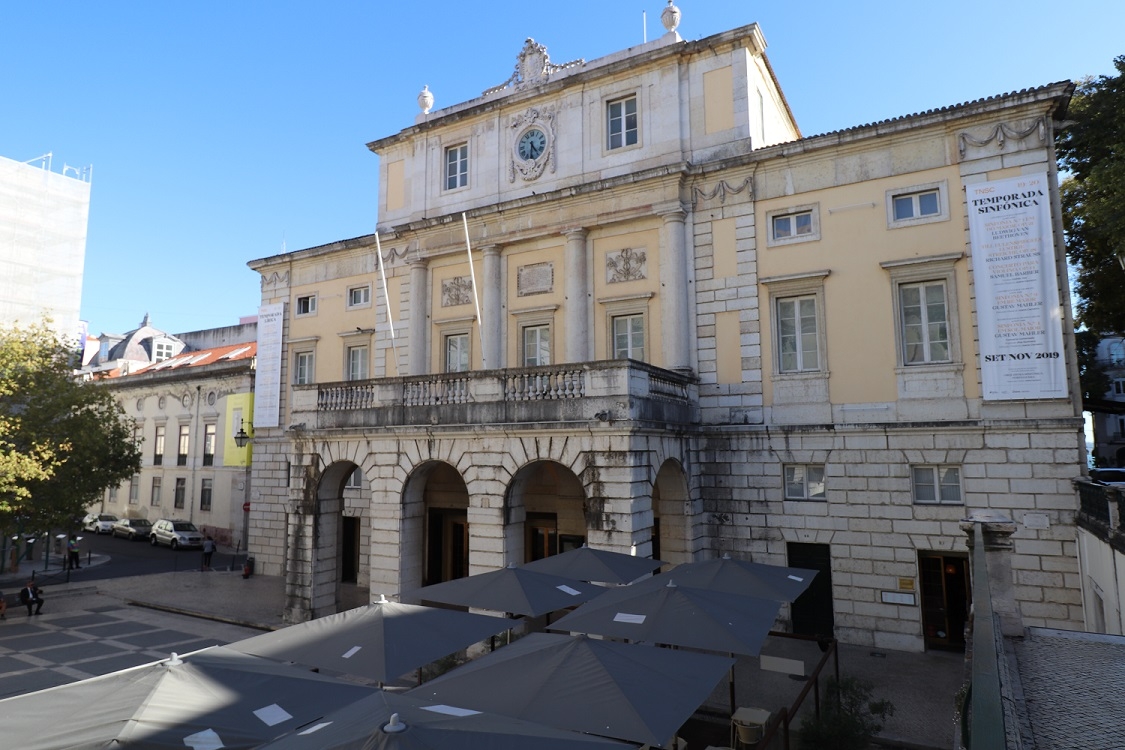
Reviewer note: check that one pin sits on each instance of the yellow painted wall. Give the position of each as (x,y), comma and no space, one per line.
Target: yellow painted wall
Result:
(236,404)
(396,185)
(859,313)
(443,270)
(725,256)
(548,250)
(613,239)
(718,99)
(728,353)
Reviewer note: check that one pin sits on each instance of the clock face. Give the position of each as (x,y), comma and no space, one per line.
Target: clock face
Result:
(532,144)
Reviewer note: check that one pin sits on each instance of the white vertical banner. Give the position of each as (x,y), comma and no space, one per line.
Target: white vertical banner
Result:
(1018,314)
(267,381)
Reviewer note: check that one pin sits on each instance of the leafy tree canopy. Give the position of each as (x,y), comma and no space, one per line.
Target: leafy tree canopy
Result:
(63,441)
(1092,149)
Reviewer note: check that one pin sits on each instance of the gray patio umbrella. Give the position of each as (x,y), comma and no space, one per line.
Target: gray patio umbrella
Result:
(738,577)
(511,589)
(381,641)
(627,691)
(679,616)
(388,721)
(589,564)
(215,698)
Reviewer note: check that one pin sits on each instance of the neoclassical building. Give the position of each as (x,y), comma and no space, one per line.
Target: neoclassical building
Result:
(685,330)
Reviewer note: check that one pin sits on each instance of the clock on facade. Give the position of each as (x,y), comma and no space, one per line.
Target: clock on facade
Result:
(532,144)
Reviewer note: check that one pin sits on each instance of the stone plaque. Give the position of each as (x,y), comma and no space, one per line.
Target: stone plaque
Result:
(898,597)
(537,278)
(625,265)
(457,291)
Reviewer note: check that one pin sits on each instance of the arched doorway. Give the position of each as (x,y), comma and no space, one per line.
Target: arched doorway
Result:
(436,523)
(671,523)
(334,537)
(548,501)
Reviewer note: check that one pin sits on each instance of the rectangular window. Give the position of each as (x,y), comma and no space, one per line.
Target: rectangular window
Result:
(937,485)
(158,446)
(916,205)
(134,490)
(457,352)
(804,482)
(457,166)
(1119,387)
(157,486)
(621,122)
(185,442)
(303,368)
(796,334)
(925,323)
(162,350)
(305,305)
(209,445)
(354,480)
(357,363)
(180,493)
(629,337)
(536,345)
(792,225)
(205,494)
(359,296)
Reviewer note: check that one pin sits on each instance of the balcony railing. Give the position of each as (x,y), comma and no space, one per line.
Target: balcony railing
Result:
(607,391)
(1101,507)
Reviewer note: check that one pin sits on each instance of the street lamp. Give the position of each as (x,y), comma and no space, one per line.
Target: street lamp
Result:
(241,438)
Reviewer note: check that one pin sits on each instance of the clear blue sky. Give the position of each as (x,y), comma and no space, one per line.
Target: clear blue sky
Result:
(220,130)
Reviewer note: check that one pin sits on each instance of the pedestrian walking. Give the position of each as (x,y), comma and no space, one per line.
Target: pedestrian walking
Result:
(208,550)
(72,556)
(3,607)
(31,596)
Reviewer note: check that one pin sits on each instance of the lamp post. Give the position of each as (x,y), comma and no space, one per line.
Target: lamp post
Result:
(241,438)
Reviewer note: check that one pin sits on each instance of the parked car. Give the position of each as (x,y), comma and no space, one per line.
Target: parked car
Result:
(99,523)
(133,528)
(1108,476)
(175,534)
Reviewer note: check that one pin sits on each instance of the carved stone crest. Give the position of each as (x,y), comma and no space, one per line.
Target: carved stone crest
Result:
(533,67)
(625,265)
(456,291)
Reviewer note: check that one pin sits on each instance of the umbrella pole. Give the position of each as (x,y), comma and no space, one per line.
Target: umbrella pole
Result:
(732,701)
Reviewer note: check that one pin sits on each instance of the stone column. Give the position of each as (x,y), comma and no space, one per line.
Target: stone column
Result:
(492,306)
(997,533)
(676,320)
(577,297)
(419,324)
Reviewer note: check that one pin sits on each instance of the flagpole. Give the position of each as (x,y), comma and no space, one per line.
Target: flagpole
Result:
(476,297)
(387,301)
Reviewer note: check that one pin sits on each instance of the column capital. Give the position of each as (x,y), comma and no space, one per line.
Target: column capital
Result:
(671,211)
(491,250)
(417,261)
(576,233)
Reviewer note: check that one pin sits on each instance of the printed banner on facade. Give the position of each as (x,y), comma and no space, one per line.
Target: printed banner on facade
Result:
(267,382)
(1018,312)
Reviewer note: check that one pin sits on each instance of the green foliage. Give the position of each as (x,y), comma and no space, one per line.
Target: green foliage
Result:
(1091,373)
(63,441)
(1092,149)
(848,718)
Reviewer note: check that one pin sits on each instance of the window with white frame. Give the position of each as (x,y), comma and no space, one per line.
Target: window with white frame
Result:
(793,224)
(206,488)
(456,352)
(162,350)
(804,482)
(621,122)
(179,493)
(456,166)
(354,480)
(1119,387)
(925,309)
(357,362)
(629,336)
(134,490)
(303,373)
(536,345)
(925,323)
(209,434)
(305,304)
(359,296)
(158,446)
(917,204)
(937,485)
(798,347)
(157,487)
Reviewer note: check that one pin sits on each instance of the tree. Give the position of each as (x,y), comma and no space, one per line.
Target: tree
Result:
(63,441)
(848,717)
(1092,148)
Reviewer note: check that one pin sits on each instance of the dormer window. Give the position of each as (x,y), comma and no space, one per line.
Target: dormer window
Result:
(161,350)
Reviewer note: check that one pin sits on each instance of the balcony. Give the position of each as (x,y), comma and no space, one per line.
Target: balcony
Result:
(1101,511)
(605,391)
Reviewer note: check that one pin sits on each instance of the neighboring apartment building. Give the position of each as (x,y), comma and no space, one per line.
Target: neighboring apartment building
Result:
(188,410)
(1109,424)
(686,330)
(43,218)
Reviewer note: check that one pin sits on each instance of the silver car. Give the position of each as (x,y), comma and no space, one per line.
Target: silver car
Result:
(99,523)
(175,534)
(133,528)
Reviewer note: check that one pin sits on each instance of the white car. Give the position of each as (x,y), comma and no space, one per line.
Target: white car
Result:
(99,523)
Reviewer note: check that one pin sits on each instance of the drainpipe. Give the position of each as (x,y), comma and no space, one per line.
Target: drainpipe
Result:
(192,443)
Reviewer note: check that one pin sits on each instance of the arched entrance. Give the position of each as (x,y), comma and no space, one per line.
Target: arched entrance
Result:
(546,501)
(334,537)
(671,523)
(436,525)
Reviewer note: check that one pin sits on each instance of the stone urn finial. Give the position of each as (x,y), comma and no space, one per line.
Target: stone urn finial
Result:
(670,17)
(426,100)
